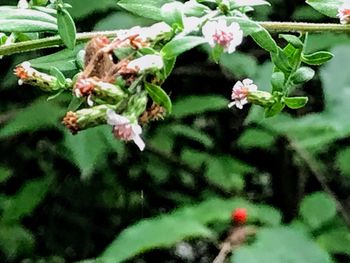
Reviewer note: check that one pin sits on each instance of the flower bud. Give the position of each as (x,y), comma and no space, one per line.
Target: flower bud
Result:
(98,91)
(30,76)
(85,118)
(261,98)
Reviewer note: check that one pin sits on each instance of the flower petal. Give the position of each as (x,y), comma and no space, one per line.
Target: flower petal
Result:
(139,142)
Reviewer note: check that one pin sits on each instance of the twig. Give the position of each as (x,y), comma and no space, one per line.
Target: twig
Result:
(320,174)
(236,238)
(56,41)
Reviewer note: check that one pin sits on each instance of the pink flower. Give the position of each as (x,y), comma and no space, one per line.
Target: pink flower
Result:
(218,33)
(344,13)
(124,130)
(240,93)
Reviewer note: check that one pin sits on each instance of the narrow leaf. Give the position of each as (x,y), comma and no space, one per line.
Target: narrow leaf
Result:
(66,28)
(159,96)
(296,102)
(178,46)
(317,58)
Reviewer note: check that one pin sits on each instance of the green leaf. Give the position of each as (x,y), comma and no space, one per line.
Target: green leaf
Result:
(5,173)
(276,108)
(25,200)
(326,7)
(342,161)
(158,232)
(302,75)
(194,105)
(64,60)
(335,241)
(265,40)
(15,242)
(40,114)
(145,8)
(296,102)
(169,65)
(27,14)
(82,10)
(172,14)
(317,209)
(281,61)
(256,138)
(159,96)
(59,75)
(168,229)
(192,133)
(239,64)
(178,46)
(88,150)
(293,40)
(25,25)
(277,81)
(317,58)
(66,28)
(280,244)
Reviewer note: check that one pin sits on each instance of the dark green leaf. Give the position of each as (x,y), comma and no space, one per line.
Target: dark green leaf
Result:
(194,105)
(26,199)
(159,96)
(317,58)
(335,241)
(38,115)
(296,102)
(178,46)
(66,28)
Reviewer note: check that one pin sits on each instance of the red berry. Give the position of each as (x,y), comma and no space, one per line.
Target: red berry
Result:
(239,215)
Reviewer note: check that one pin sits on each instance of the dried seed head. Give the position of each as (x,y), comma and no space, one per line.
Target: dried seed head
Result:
(71,122)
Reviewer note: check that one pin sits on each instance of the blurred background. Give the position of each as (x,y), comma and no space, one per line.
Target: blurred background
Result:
(67,198)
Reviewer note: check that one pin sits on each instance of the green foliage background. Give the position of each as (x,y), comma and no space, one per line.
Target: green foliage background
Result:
(89,197)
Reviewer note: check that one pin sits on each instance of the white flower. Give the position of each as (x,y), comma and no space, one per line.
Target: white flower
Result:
(344,13)
(219,33)
(240,92)
(124,130)
(146,62)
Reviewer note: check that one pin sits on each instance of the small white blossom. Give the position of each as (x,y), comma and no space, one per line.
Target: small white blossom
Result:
(240,92)
(146,62)
(344,13)
(124,130)
(219,33)
(22,4)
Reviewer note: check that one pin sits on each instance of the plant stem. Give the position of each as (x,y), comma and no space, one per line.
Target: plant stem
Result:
(304,27)
(55,41)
